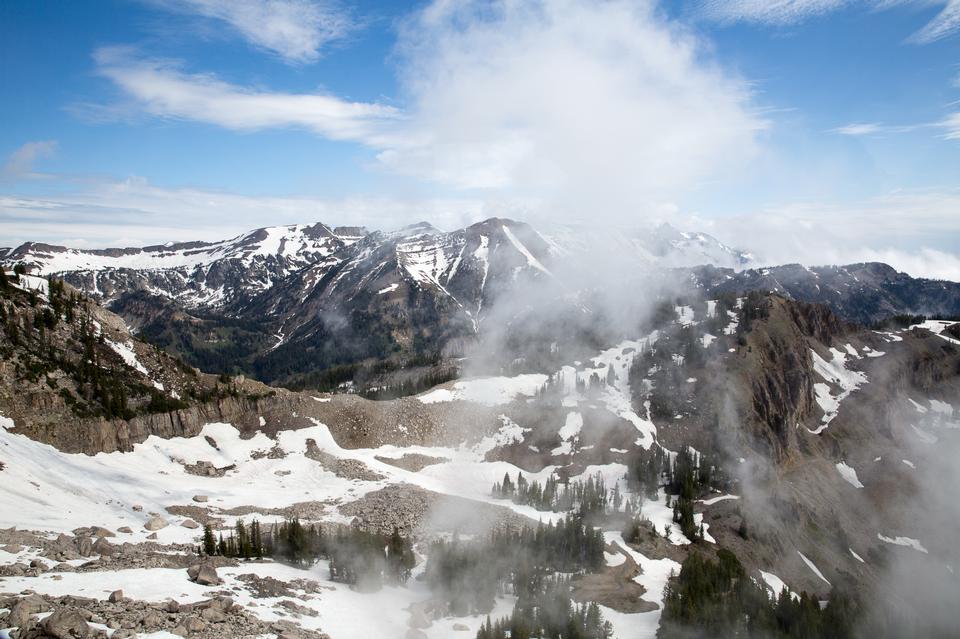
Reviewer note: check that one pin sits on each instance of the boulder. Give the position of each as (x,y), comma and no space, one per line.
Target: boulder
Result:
(125,529)
(21,611)
(103,547)
(84,546)
(100,531)
(200,499)
(137,508)
(155,523)
(203,574)
(12,548)
(115,596)
(194,624)
(189,523)
(152,536)
(66,623)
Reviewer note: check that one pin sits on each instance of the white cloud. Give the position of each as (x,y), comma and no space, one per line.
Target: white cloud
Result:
(160,88)
(859,128)
(916,232)
(20,163)
(295,30)
(951,126)
(773,12)
(605,105)
(787,12)
(134,212)
(946,24)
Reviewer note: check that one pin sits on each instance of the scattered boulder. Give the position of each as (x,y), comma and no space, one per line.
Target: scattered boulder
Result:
(21,611)
(152,536)
(200,499)
(66,623)
(84,546)
(203,574)
(12,548)
(125,529)
(99,531)
(103,547)
(155,523)
(137,508)
(189,523)
(115,596)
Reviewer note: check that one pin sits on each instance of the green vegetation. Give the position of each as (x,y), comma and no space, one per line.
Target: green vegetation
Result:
(717,599)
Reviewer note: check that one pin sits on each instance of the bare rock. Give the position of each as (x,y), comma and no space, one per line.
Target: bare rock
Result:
(100,531)
(66,623)
(189,523)
(155,523)
(124,529)
(115,596)
(21,611)
(203,574)
(200,499)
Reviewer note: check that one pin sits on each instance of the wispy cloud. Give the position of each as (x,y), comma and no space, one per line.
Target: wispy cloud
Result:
(772,12)
(20,163)
(951,126)
(787,12)
(946,24)
(857,129)
(161,88)
(295,30)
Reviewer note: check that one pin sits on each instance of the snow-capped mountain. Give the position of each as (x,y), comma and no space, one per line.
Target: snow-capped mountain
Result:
(662,246)
(193,273)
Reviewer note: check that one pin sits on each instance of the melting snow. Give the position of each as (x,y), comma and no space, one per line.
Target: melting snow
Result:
(849,474)
(903,541)
(812,567)
(836,373)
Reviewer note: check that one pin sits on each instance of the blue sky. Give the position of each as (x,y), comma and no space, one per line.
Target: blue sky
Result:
(812,130)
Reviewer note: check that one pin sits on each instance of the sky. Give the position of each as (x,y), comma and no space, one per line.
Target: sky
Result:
(813,131)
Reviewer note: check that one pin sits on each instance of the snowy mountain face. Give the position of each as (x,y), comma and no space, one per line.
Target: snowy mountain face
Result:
(662,246)
(195,274)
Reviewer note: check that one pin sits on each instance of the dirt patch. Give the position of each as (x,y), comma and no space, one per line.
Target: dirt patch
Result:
(614,587)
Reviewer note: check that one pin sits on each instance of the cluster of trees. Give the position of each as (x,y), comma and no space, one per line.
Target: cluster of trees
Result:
(548,612)
(590,498)
(717,599)
(245,543)
(357,557)
(468,575)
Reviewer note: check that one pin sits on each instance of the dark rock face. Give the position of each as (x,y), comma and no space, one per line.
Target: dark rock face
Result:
(862,293)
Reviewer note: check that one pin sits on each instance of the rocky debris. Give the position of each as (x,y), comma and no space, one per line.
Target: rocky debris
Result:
(414,462)
(203,574)
(405,507)
(344,468)
(217,618)
(205,468)
(200,499)
(303,510)
(264,587)
(200,514)
(137,508)
(13,549)
(155,523)
(152,536)
(274,453)
(296,608)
